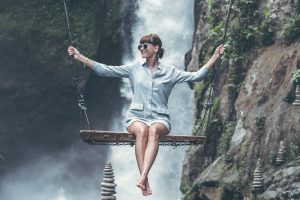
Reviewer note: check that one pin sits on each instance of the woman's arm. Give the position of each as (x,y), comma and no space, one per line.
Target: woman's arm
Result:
(183,76)
(99,68)
(77,56)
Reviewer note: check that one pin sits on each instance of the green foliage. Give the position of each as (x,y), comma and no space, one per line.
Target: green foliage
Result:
(42,26)
(247,30)
(232,191)
(225,139)
(185,189)
(294,151)
(265,29)
(258,197)
(198,88)
(260,121)
(296,76)
(216,32)
(272,156)
(256,151)
(242,160)
(216,105)
(213,12)
(213,121)
(245,27)
(291,30)
(232,92)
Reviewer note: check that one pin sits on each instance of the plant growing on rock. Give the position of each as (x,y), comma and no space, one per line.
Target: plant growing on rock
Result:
(291,29)
(260,121)
(296,76)
(226,136)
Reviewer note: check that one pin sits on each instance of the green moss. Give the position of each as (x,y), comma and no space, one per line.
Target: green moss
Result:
(294,151)
(265,29)
(216,32)
(296,76)
(291,30)
(272,156)
(215,105)
(258,197)
(213,12)
(185,189)
(260,120)
(242,160)
(227,134)
(198,88)
(231,191)
(209,121)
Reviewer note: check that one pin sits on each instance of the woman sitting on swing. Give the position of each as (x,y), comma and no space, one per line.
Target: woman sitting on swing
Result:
(151,83)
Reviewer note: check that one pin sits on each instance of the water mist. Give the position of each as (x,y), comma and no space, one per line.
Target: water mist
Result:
(173,22)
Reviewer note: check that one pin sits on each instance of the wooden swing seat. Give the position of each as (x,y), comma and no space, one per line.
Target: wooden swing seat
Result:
(124,138)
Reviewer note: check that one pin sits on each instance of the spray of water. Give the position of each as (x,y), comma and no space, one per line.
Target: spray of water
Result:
(173,22)
(72,175)
(63,176)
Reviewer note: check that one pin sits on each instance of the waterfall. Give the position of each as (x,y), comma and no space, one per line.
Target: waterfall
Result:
(173,22)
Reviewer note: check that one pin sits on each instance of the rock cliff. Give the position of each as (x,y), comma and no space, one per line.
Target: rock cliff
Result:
(39,113)
(253,110)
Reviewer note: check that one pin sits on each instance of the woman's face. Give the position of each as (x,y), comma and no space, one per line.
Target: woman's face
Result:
(148,50)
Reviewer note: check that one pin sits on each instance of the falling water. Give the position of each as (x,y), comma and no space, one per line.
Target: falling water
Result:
(173,22)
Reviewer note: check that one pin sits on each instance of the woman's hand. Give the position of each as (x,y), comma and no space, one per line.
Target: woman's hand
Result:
(78,56)
(219,50)
(74,52)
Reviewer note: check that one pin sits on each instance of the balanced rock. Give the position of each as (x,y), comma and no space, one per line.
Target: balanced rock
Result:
(297,96)
(281,153)
(108,186)
(258,180)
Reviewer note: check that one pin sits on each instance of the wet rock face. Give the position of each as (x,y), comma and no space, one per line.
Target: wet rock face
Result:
(284,183)
(264,116)
(38,107)
(39,112)
(280,9)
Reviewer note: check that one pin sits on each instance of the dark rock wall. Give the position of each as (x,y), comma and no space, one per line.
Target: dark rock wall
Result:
(253,110)
(39,115)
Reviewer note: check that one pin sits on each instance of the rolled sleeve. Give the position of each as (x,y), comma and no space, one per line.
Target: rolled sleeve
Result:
(183,76)
(112,71)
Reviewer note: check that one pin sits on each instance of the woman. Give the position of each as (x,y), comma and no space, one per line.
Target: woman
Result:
(151,84)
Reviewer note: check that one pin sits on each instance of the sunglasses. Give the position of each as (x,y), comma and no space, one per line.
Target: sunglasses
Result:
(144,45)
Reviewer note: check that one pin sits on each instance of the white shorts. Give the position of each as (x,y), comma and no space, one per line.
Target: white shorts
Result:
(149,122)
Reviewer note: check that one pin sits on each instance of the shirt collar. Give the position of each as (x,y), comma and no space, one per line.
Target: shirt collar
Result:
(160,66)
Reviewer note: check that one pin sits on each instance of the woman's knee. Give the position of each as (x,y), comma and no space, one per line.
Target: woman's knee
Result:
(141,133)
(154,134)
(139,129)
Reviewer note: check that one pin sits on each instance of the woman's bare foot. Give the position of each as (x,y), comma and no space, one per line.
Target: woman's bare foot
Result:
(142,182)
(148,190)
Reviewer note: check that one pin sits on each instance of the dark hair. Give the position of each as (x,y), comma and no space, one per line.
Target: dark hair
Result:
(155,40)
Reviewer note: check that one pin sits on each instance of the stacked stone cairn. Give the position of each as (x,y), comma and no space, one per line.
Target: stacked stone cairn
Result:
(258,180)
(280,154)
(297,96)
(108,186)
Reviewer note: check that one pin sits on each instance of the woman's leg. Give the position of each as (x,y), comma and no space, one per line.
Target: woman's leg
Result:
(141,133)
(140,130)
(155,132)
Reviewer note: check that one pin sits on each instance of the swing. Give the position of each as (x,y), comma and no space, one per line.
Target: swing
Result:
(100,137)
(123,138)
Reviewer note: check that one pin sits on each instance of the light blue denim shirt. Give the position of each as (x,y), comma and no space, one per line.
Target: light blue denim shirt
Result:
(150,93)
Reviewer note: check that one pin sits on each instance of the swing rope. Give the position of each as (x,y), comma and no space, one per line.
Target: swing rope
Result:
(75,79)
(208,104)
(212,96)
